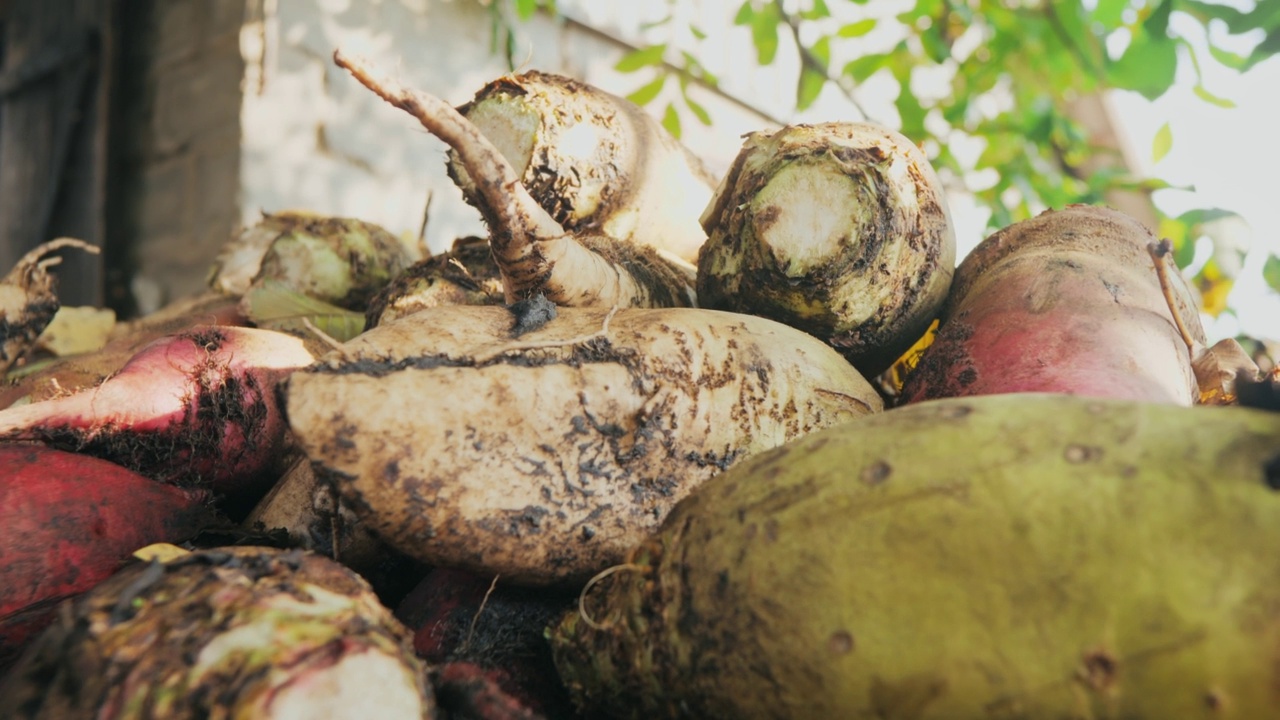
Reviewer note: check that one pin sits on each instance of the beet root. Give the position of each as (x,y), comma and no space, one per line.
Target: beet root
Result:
(67,522)
(488,639)
(1066,302)
(466,691)
(193,409)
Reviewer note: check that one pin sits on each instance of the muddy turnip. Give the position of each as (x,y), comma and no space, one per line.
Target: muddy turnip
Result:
(542,449)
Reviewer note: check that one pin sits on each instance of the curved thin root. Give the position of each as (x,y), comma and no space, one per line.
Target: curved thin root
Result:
(582,596)
(35,259)
(1158,251)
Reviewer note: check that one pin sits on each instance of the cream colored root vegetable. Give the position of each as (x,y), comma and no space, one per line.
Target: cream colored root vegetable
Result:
(27,299)
(593,160)
(534,252)
(544,457)
(840,229)
(230,632)
(465,275)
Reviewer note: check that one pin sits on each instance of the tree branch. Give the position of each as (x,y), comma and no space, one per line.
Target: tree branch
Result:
(811,61)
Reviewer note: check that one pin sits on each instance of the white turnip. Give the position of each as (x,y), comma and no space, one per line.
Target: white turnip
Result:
(541,449)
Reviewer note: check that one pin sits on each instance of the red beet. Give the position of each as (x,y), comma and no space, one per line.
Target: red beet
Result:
(1066,302)
(194,409)
(493,636)
(69,521)
(466,691)
(65,375)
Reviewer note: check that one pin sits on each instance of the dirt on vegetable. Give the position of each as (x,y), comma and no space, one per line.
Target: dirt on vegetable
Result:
(1020,555)
(544,457)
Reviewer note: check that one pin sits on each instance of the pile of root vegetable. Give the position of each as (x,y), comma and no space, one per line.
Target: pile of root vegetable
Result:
(661,445)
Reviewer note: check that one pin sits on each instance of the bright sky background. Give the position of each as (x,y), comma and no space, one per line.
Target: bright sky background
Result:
(1231,157)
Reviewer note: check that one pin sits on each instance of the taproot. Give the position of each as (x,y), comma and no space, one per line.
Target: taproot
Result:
(839,229)
(593,160)
(541,444)
(537,254)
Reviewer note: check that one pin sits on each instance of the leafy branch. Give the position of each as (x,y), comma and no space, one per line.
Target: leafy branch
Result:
(1016,70)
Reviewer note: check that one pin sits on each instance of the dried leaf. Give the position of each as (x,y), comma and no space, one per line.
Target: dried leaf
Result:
(77,330)
(275,306)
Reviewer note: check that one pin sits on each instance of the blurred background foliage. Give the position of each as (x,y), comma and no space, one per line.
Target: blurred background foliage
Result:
(1014,74)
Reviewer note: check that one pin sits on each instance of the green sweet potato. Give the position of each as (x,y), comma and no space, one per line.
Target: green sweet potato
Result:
(541,445)
(1011,556)
(343,261)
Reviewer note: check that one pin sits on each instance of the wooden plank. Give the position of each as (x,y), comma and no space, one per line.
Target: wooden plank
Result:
(52,139)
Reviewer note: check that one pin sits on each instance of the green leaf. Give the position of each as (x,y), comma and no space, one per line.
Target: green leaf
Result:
(745,13)
(911,114)
(1184,253)
(924,9)
(1072,42)
(1162,144)
(857,29)
(657,23)
(1176,232)
(1209,97)
(698,110)
(1228,58)
(1040,129)
(764,33)
(822,50)
(671,121)
(641,58)
(1271,271)
(935,47)
(698,32)
(809,87)
(1236,21)
(1157,23)
(646,93)
(1147,66)
(817,12)
(1110,13)
(865,66)
(1194,218)
(955,109)
(1269,46)
(526,8)
(1151,184)
(276,306)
